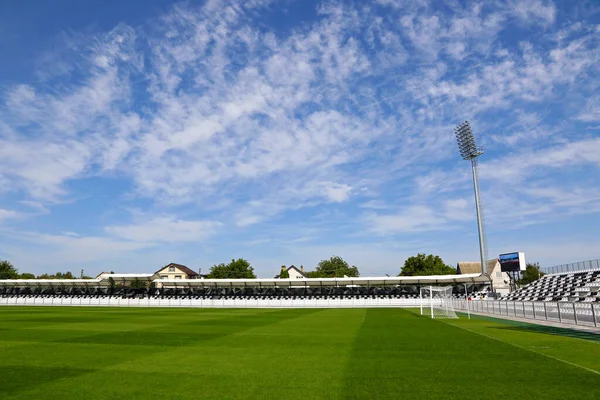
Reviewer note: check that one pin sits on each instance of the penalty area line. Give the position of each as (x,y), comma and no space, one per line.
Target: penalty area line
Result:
(524,348)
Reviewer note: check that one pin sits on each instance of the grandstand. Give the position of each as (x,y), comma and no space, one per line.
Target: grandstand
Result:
(573,287)
(119,290)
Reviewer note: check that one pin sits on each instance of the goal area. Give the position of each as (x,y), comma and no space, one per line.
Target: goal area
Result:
(436,301)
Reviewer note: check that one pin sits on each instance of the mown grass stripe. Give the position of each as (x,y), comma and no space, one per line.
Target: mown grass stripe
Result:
(291,354)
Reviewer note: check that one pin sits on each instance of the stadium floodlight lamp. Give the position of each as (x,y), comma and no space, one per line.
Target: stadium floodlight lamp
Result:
(466,141)
(469,151)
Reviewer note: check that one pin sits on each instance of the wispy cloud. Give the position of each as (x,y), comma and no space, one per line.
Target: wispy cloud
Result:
(165,229)
(213,116)
(6,214)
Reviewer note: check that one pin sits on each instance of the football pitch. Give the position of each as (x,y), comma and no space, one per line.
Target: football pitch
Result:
(101,353)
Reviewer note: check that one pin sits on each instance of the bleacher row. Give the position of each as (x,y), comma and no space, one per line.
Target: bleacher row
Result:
(571,287)
(214,297)
(213,293)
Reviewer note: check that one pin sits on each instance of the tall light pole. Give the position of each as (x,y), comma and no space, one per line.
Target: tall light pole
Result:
(469,151)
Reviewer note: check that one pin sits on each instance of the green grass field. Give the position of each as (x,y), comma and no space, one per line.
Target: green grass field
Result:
(89,353)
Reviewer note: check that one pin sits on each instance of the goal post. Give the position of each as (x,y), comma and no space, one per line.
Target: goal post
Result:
(437,301)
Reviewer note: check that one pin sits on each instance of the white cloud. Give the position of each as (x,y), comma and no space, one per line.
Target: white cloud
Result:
(569,154)
(6,214)
(247,220)
(411,219)
(69,233)
(528,10)
(458,209)
(591,113)
(35,205)
(375,204)
(337,192)
(165,229)
(220,117)
(62,250)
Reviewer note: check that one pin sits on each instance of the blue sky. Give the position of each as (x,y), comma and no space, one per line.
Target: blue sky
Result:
(133,134)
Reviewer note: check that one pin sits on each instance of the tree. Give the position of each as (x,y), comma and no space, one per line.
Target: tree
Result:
(236,269)
(58,275)
(314,274)
(421,265)
(284,274)
(532,273)
(137,284)
(27,275)
(66,275)
(7,270)
(335,267)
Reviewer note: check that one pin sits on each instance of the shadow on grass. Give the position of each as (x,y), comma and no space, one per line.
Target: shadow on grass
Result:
(511,325)
(17,378)
(553,330)
(172,336)
(144,338)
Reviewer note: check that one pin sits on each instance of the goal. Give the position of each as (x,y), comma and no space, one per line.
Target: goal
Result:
(437,302)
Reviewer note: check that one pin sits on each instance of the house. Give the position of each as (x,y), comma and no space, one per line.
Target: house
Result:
(176,271)
(295,273)
(500,280)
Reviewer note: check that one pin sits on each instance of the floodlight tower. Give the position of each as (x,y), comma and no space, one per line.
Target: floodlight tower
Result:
(469,151)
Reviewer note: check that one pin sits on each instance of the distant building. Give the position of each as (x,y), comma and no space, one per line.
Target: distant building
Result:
(176,271)
(295,273)
(500,280)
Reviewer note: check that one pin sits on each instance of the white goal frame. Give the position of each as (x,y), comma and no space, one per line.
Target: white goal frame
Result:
(439,300)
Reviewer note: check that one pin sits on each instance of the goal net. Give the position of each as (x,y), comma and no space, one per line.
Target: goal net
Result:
(437,302)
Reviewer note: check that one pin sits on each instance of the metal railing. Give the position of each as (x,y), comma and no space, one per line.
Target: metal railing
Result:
(590,265)
(586,314)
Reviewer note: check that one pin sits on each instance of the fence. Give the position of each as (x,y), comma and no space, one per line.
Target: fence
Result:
(116,301)
(586,314)
(580,266)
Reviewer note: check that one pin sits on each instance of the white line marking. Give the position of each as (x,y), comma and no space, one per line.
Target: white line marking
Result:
(525,348)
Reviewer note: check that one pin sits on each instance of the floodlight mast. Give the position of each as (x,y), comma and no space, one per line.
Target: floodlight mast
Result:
(469,151)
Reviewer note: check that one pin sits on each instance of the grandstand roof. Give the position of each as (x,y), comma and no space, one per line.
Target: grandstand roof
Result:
(126,276)
(49,282)
(395,280)
(102,280)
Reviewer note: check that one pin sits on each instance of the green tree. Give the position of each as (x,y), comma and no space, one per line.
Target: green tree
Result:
(335,267)
(284,274)
(236,269)
(421,265)
(314,274)
(532,273)
(58,275)
(138,284)
(27,275)
(7,270)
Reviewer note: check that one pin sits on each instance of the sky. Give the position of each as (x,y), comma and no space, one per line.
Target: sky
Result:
(138,133)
